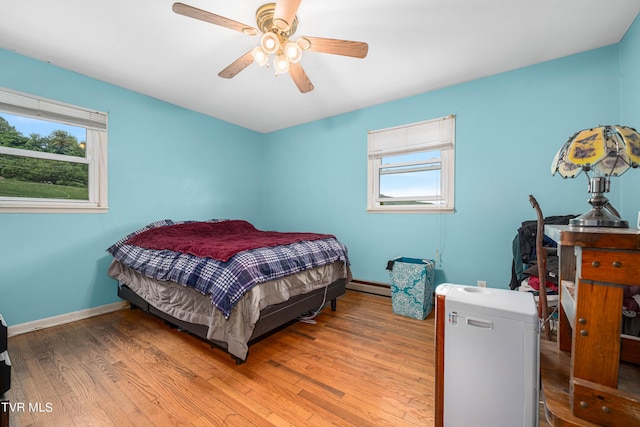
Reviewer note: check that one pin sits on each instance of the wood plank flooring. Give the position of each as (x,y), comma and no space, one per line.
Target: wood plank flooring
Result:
(359,366)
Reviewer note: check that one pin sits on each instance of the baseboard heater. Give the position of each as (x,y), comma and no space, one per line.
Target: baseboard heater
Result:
(370,287)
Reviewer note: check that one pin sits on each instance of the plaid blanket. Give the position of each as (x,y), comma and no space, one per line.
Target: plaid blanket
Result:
(227,282)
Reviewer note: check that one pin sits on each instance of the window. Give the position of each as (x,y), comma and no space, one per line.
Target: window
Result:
(411,168)
(53,156)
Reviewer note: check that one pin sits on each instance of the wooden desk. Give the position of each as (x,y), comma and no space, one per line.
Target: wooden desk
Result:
(597,263)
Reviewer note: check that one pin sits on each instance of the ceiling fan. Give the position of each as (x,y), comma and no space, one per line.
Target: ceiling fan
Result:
(277,22)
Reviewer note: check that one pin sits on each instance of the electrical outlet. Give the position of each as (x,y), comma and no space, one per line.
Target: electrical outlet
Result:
(482,283)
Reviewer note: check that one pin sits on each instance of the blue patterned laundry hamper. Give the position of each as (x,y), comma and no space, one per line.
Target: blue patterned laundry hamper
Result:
(412,286)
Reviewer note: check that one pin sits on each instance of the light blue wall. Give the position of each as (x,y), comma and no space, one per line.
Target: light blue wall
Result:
(508,128)
(630,116)
(164,162)
(167,162)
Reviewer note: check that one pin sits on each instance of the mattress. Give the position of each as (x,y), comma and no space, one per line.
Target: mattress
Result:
(189,305)
(224,281)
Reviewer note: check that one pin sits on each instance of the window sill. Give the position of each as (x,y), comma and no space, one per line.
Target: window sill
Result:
(54,209)
(410,209)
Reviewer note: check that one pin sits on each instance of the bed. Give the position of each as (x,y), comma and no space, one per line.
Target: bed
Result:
(227,282)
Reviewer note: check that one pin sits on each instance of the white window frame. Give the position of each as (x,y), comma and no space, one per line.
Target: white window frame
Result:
(430,135)
(95,122)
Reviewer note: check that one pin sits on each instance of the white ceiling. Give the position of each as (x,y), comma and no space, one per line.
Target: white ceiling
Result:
(414,46)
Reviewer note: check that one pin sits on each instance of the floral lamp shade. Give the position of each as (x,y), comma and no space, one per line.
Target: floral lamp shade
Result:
(604,151)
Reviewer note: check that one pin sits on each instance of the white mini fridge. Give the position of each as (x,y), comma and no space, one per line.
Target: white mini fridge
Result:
(487,357)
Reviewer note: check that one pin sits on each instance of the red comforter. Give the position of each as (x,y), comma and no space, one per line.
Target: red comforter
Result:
(217,240)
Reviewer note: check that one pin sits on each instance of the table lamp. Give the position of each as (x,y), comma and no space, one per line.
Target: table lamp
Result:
(603,151)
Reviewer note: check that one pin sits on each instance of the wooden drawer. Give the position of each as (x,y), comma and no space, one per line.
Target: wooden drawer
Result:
(622,267)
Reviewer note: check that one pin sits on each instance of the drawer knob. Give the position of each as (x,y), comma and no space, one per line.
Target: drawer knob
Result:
(584,332)
(595,264)
(617,264)
(584,404)
(582,320)
(606,409)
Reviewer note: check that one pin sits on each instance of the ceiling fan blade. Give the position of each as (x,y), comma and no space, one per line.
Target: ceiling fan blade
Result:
(236,66)
(300,78)
(285,13)
(203,15)
(336,47)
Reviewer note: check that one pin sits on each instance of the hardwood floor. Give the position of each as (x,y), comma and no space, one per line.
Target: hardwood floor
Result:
(359,366)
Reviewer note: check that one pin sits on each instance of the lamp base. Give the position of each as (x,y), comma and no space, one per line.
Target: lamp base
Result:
(599,217)
(602,214)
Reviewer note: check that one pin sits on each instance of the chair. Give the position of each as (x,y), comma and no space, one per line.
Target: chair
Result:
(541,258)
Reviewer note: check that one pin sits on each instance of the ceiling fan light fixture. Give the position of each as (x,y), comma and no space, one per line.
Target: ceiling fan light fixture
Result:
(277,22)
(281,64)
(259,55)
(292,52)
(270,42)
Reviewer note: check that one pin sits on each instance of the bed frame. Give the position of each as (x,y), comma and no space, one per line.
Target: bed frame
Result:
(271,317)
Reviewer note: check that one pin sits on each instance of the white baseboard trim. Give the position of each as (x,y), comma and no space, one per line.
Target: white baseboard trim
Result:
(64,318)
(370,287)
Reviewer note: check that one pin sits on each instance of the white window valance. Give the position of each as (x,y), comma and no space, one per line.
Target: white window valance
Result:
(435,134)
(31,106)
